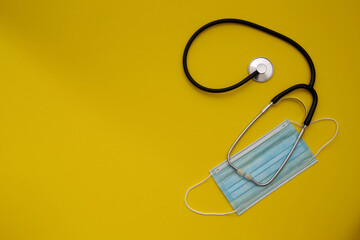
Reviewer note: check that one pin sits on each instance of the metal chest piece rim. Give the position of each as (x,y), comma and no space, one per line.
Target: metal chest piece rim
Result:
(263,66)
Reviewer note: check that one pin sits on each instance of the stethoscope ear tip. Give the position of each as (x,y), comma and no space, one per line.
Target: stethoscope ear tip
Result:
(263,66)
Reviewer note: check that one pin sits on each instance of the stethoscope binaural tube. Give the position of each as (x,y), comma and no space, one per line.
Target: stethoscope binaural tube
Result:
(248,176)
(309,87)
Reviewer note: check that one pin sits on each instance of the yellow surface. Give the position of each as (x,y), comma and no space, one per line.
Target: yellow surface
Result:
(101,133)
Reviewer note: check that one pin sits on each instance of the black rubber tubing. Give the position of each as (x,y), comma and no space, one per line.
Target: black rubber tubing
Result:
(308,118)
(309,87)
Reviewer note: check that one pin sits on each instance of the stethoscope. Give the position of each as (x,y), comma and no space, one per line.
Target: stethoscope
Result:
(260,69)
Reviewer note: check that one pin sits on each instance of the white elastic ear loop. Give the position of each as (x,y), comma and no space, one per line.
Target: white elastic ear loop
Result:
(318,120)
(321,119)
(202,213)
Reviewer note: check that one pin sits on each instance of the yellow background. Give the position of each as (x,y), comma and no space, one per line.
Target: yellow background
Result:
(101,133)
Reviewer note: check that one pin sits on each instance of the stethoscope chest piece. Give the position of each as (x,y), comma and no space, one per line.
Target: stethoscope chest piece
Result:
(263,66)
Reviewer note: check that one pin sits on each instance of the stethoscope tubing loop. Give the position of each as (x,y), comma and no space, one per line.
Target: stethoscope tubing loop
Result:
(309,87)
(309,116)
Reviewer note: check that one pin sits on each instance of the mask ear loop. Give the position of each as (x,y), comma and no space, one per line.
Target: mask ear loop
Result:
(202,213)
(335,134)
(315,121)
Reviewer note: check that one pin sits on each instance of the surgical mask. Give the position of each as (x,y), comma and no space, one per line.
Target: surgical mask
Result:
(261,159)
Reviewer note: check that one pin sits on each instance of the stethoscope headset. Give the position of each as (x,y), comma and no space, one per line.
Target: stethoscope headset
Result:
(260,69)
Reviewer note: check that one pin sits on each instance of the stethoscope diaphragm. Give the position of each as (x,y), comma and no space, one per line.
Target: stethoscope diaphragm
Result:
(263,66)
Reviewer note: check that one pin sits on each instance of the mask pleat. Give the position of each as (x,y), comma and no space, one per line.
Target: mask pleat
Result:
(262,162)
